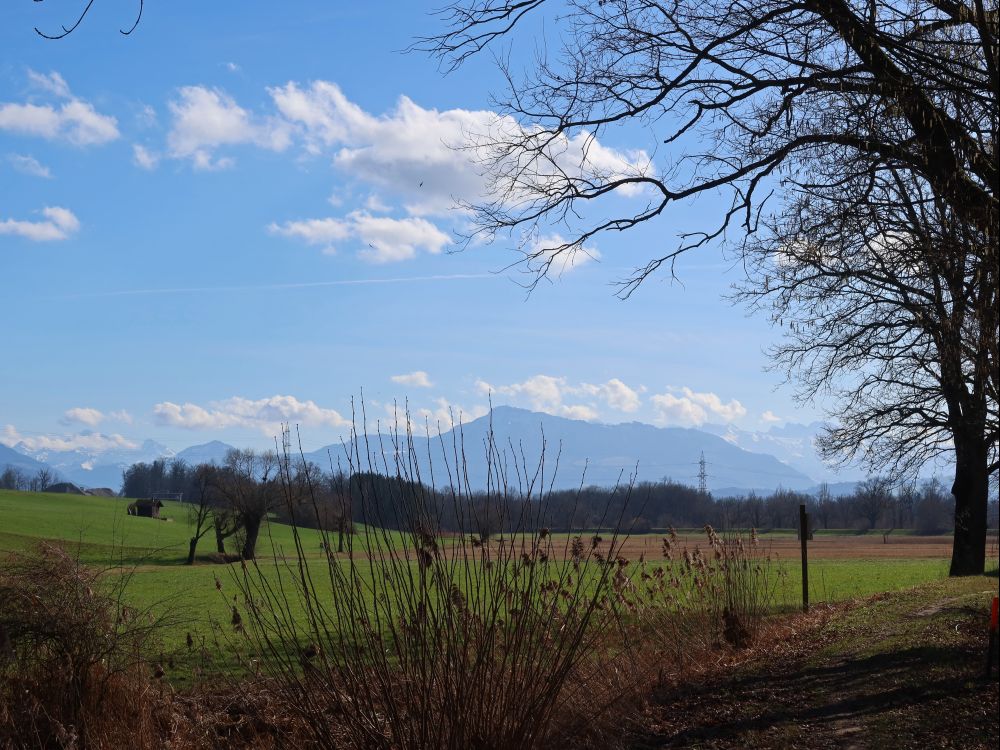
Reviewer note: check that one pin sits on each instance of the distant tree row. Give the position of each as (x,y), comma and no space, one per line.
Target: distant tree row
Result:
(232,501)
(15,478)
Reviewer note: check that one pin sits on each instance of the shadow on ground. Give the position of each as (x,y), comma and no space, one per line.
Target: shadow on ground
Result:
(868,693)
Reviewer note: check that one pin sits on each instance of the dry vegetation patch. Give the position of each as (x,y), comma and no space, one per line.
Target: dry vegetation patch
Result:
(900,670)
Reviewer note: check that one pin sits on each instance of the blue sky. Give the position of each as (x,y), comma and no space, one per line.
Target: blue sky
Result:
(234,218)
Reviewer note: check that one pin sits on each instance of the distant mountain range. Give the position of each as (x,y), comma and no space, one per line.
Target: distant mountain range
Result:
(213,452)
(11,457)
(89,468)
(599,454)
(737,461)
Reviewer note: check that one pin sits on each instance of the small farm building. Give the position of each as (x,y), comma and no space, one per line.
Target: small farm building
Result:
(147,508)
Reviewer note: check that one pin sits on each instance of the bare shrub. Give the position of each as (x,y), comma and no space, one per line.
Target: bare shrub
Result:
(72,657)
(426,638)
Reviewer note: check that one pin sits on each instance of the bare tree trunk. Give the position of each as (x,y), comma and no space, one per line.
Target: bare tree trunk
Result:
(971,491)
(220,539)
(192,546)
(251,527)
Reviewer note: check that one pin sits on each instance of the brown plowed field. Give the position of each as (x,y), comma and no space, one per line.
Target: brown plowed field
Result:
(857,547)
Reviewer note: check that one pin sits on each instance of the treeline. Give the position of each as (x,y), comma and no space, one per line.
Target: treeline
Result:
(231,501)
(926,507)
(16,478)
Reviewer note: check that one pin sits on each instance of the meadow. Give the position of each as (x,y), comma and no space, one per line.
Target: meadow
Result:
(843,564)
(416,640)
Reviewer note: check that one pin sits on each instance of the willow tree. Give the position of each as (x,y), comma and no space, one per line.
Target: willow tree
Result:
(784,93)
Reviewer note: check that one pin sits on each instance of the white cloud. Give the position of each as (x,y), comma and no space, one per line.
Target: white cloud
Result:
(314,231)
(232,67)
(143,158)
(266,414)
(431,159)
(424,162)
(59,224)
(206,119)
(384,239)
(620,396)
(579,411)
(53,83)
(28,165)
(146,116)
(443,416)
(375,204)
(770,417)
(93,417)
(73,120)
(682,406)
(417,378)
(89,441)
(543,392)
(83,415)
(549,394)
(556,254)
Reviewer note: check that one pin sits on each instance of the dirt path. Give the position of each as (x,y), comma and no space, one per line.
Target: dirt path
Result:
(894,671)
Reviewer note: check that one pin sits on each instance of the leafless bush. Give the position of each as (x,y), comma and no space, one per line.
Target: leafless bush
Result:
(424,638)
(73,669)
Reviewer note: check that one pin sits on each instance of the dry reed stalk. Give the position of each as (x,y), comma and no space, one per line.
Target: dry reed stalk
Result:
(428,639)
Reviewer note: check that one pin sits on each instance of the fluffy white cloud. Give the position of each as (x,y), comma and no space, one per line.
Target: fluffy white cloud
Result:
(770,417)
(266,414)
(143,158)
(443,416)
(28,165)
(53,83)
(682,406)
(83,415)
(579,411)
(384,239)
(206,119)
(554,254)
(547,393)
(431,159)
(72,120)
(92,417)
(59,224)
(412,160)
(87,441)
(619,396)
(417,378)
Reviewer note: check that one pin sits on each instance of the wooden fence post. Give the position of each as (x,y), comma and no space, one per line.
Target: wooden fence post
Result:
(804,538)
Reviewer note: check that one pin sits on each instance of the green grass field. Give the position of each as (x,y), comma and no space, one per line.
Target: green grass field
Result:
(152,552)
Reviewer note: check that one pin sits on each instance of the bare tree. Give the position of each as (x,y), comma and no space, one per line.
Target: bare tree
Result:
(770,85)
(872,498)
(201,505)
(861,112)
(249,482)
(43,478)
(889,305)
(84,9)
(13,478)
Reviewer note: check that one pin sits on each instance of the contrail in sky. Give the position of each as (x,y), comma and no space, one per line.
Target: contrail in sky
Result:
(277,287)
